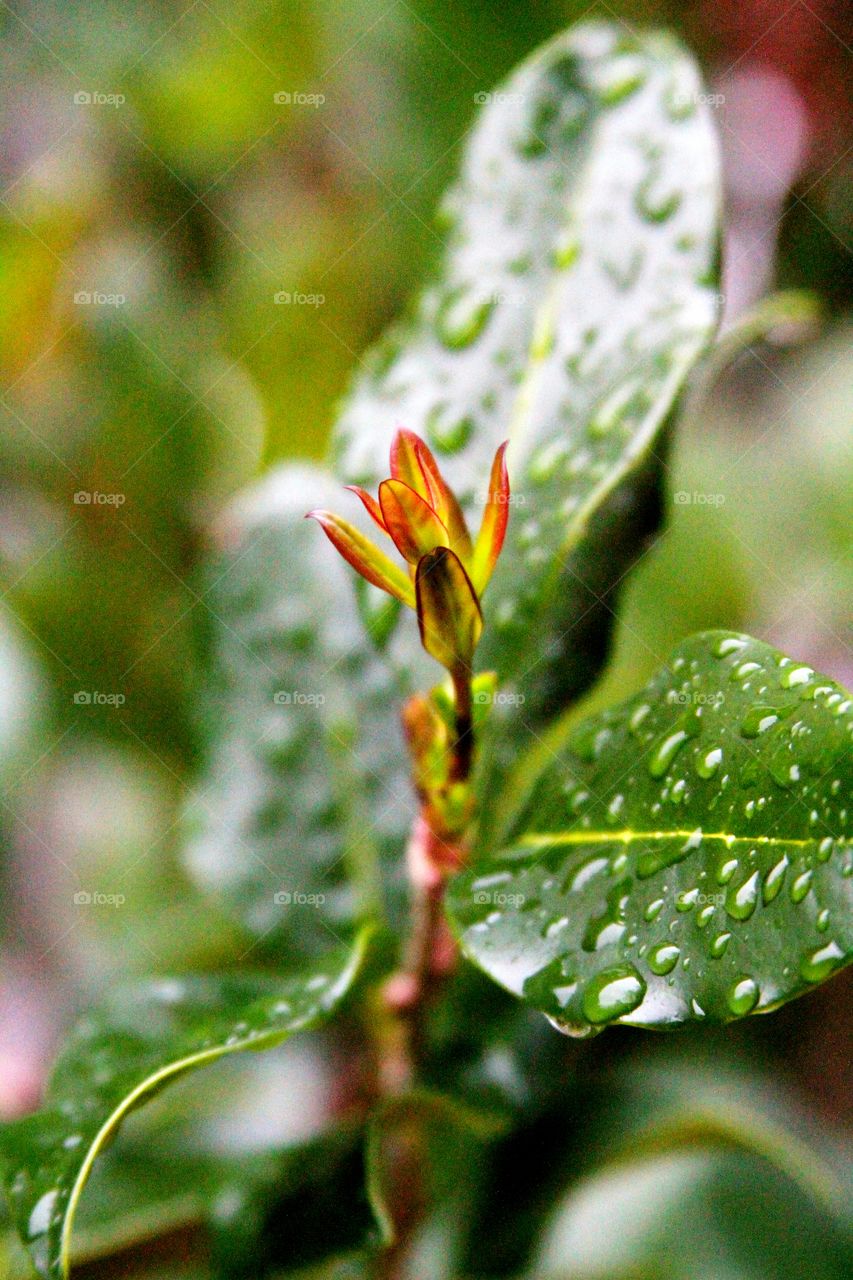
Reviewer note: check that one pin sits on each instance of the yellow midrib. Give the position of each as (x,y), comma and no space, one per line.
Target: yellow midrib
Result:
(627,837)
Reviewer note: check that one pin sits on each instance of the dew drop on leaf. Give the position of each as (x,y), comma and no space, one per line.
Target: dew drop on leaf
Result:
(613,993)
(742,996)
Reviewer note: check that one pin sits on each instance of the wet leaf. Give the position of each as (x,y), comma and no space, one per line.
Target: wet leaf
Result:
(119,1055)
(687,856)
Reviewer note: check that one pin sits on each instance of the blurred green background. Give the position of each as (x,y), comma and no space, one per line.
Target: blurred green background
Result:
(208,212)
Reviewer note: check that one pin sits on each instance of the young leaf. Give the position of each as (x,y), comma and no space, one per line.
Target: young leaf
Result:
(304,795)
(687,856)
(577,289)
(139,1039)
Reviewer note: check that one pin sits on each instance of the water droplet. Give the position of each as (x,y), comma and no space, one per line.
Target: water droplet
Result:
(726,870)
(824,849)
(704,915)
(686,901)
(679,101)
(718,946)
(730,644)
(612,994)
(546,460)
(801,885)
(42,1212)
(628,400)
(663,959)
(637,717)
(587,871)
(792,677)
(744,669)
(448,435)
(822,921)
(653,910)
(819,964)
(462,317)
(741,902)
(653,203)
(742,997)
(665,751)
(567,249)
(758,720)
(707,764)
(774,878)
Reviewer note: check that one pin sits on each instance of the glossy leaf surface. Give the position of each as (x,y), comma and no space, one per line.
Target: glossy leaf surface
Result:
(142,1036)
(686,857)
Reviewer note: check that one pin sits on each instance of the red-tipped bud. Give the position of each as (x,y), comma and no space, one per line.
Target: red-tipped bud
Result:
(422,516)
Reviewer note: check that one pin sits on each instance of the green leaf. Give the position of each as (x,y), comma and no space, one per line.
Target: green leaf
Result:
(686,855)
(143,1036)
(577,289)
(305,791)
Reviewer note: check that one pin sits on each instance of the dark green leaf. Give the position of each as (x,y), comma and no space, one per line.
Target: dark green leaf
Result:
(686,856)
(577,289)
(142,1037)
(305,789)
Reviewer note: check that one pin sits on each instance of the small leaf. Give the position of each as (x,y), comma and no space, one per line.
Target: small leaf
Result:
(411,521)
(448,611)
(490,539)
(687,856)
(365,558)
(143,1036)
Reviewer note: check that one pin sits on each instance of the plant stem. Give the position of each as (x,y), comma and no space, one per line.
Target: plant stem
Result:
(463,747)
